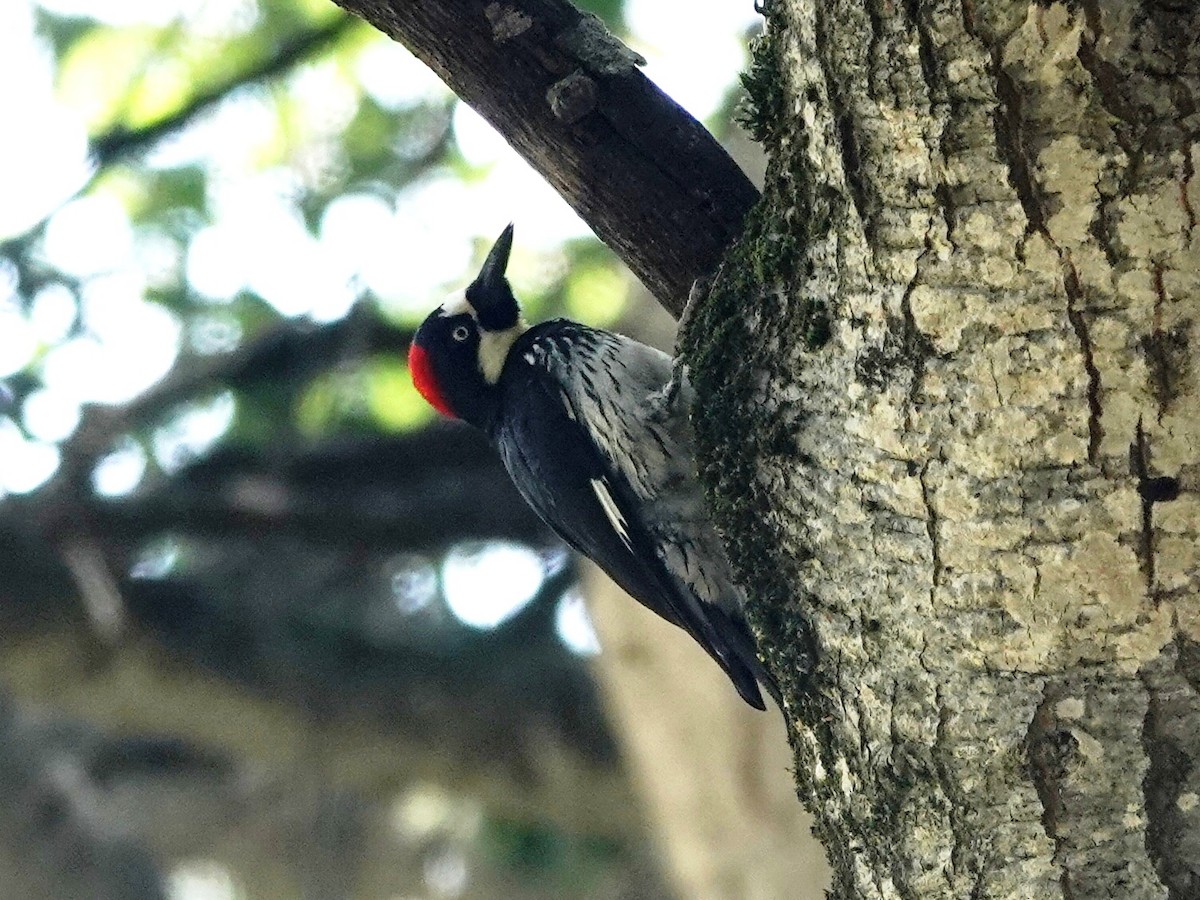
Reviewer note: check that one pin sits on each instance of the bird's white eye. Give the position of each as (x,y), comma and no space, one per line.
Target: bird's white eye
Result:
(461,333)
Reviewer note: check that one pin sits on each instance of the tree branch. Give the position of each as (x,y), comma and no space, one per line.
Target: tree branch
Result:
(647,177)
(379,711)
(288,351)
(417,491)
(121,142)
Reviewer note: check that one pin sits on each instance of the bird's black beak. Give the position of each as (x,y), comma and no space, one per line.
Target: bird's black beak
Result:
(492,273)
(490,296)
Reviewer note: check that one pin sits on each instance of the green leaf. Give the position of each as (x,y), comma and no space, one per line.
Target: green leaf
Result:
(392,399)
(596,293)
(95,74)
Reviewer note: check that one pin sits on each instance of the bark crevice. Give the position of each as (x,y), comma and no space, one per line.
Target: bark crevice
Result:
(1011,143)
(943,763)
(844,121)
(1173,774)
(931,528)
(1139,456)
(1188,172)
(1047,748)
(1079,324)
(1166,350)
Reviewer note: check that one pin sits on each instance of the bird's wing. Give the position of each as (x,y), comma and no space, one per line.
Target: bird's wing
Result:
(621,489)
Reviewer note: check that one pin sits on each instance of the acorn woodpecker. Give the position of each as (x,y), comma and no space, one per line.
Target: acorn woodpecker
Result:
(579,419)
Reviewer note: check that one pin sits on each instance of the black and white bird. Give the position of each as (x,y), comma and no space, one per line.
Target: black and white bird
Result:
(580,420)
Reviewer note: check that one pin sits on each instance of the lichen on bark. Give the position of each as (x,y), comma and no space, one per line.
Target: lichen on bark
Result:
(944,387)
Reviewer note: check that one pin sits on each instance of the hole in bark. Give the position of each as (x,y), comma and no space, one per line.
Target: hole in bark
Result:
(1058,751)
(1159,490)
(1049,752)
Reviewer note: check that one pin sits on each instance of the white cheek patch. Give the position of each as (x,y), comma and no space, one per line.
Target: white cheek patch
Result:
(456,305)
(493,350)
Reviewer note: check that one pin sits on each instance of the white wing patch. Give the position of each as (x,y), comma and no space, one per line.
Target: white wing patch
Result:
(611,511)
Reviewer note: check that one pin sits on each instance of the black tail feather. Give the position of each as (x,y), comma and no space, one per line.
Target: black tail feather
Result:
(744,667)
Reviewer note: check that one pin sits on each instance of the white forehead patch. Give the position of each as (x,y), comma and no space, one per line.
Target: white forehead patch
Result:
(456,305)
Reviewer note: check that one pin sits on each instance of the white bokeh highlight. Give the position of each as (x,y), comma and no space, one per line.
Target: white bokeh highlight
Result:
(574,626)
(488,584)
(119,472)
(27,464)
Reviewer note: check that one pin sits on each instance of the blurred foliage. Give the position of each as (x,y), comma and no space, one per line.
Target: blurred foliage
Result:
(150,94)
(254,498)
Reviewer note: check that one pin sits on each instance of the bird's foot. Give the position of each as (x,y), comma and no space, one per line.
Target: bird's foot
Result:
(661,403)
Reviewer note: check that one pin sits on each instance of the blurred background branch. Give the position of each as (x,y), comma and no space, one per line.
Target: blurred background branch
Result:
(287,54)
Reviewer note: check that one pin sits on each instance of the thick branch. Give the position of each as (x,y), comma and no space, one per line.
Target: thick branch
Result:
(419,491)
(647,177)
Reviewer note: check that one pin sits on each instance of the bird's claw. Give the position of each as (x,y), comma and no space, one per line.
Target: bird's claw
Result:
(661,403)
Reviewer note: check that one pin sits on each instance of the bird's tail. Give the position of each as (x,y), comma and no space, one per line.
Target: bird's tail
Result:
(745,668)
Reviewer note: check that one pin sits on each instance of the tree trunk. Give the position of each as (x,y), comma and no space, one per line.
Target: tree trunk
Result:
(712,774)
(949,412)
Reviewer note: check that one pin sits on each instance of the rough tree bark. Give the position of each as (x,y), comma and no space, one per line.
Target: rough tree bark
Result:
(950,416)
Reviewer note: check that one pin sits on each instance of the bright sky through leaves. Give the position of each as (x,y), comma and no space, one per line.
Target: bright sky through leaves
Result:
(407,255)
(255,236)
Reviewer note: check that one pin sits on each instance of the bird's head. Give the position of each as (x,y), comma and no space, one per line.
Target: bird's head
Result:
(459,351)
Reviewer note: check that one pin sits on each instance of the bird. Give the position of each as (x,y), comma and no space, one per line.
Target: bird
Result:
(593,429)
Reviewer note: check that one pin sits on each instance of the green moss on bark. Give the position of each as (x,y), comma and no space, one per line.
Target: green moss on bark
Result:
(761,300)
(762,109)
(760,284)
